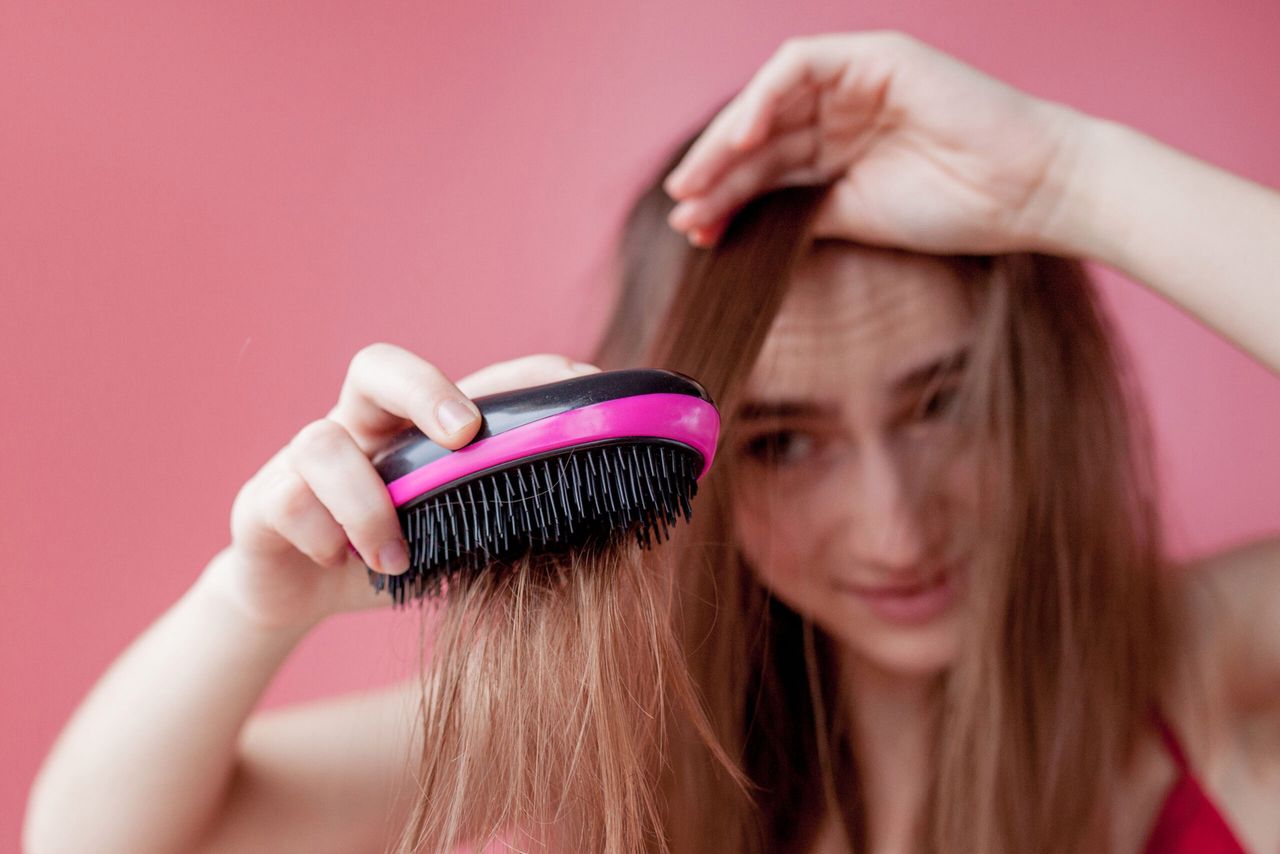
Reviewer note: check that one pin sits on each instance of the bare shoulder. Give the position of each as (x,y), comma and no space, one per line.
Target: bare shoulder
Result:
(328,775)
(1233,600)
(1224,700)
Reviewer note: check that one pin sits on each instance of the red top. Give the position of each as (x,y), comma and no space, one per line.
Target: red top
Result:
(1188,823)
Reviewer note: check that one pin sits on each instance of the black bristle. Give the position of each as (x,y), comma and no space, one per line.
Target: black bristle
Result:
(535,507)
(508,516)
(611,499)
(524,498)
(565,499)
(545,502)
(577,486)
(485,534)
(592,480)
(551,498)
(472,538)
(452,543)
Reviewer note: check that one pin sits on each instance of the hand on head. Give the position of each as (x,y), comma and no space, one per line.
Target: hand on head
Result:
(925,152)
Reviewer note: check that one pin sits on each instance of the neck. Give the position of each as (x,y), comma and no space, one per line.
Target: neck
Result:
(891,718)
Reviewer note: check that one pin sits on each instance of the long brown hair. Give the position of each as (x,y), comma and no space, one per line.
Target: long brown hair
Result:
(622,702)
(548,691)
(1065,652)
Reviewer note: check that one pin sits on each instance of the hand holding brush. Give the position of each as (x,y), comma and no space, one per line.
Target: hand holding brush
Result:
(555,454)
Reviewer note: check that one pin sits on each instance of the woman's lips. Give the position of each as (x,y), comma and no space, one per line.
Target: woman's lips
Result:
(908,604)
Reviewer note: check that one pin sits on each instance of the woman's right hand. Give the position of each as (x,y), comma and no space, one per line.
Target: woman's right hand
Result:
(293,522)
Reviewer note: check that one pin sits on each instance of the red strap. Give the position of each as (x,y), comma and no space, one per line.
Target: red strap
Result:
(1189,822)
(1171,742)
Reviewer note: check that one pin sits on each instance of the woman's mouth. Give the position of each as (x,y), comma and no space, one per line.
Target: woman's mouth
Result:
(908,604)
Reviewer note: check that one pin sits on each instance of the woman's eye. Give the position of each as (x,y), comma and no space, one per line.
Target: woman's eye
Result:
(938,403)
(779,448)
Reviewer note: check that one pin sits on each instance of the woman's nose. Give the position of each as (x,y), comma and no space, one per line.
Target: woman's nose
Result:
(884,528)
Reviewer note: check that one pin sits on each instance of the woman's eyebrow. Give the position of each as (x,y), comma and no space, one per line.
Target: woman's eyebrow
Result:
(760,410)
(945,366)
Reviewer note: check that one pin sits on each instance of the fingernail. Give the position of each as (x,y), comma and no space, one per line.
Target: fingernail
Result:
(679,216)
(454,415)
(393,557)
(584,368)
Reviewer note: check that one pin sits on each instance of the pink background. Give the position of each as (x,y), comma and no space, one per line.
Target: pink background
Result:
(207,209)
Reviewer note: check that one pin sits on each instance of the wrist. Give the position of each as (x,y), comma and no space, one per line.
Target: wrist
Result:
(1075,219)
(220,591)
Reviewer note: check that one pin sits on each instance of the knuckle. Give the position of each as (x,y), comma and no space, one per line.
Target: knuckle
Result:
(790,45)
(424,396)
(253,499)
(322,437)
(370,353)
(555,362)
(893,39)
(537,360)
(291,497)
(334,554)
(242,506)
(362,358)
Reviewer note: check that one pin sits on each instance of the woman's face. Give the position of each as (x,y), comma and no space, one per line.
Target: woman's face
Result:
(845,418)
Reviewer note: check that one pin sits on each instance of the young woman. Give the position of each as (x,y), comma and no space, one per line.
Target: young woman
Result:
(923,599)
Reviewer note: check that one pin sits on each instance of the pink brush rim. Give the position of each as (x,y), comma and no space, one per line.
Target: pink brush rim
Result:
(677,417)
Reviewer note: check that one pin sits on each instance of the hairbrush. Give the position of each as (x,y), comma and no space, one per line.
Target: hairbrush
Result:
(592,459)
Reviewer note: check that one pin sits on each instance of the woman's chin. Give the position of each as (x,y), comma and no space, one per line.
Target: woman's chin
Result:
(916,653)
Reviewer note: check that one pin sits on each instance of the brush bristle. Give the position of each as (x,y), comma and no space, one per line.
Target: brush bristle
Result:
(548,504)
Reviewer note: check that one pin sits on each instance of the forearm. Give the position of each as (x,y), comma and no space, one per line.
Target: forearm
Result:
(1205,239)
(145,760)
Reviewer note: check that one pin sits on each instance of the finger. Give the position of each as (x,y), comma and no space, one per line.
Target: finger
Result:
(745,122)
(800,64)
(799,109)
(710,152)
(785,161)
(387,387)
(781,95)
(788,69)
(325,456)
(523,372)
(292,512)
(833,218)
(705,238)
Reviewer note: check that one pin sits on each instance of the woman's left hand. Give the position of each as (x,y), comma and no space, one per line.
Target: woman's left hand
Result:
(926,153)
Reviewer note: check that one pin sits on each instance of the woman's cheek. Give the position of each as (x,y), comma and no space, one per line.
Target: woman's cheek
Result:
(966,480)
(772,542)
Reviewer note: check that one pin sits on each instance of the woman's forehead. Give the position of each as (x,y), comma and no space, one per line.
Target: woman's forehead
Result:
(857,315)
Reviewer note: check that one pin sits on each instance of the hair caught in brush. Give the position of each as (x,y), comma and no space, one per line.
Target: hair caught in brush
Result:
(548,694)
